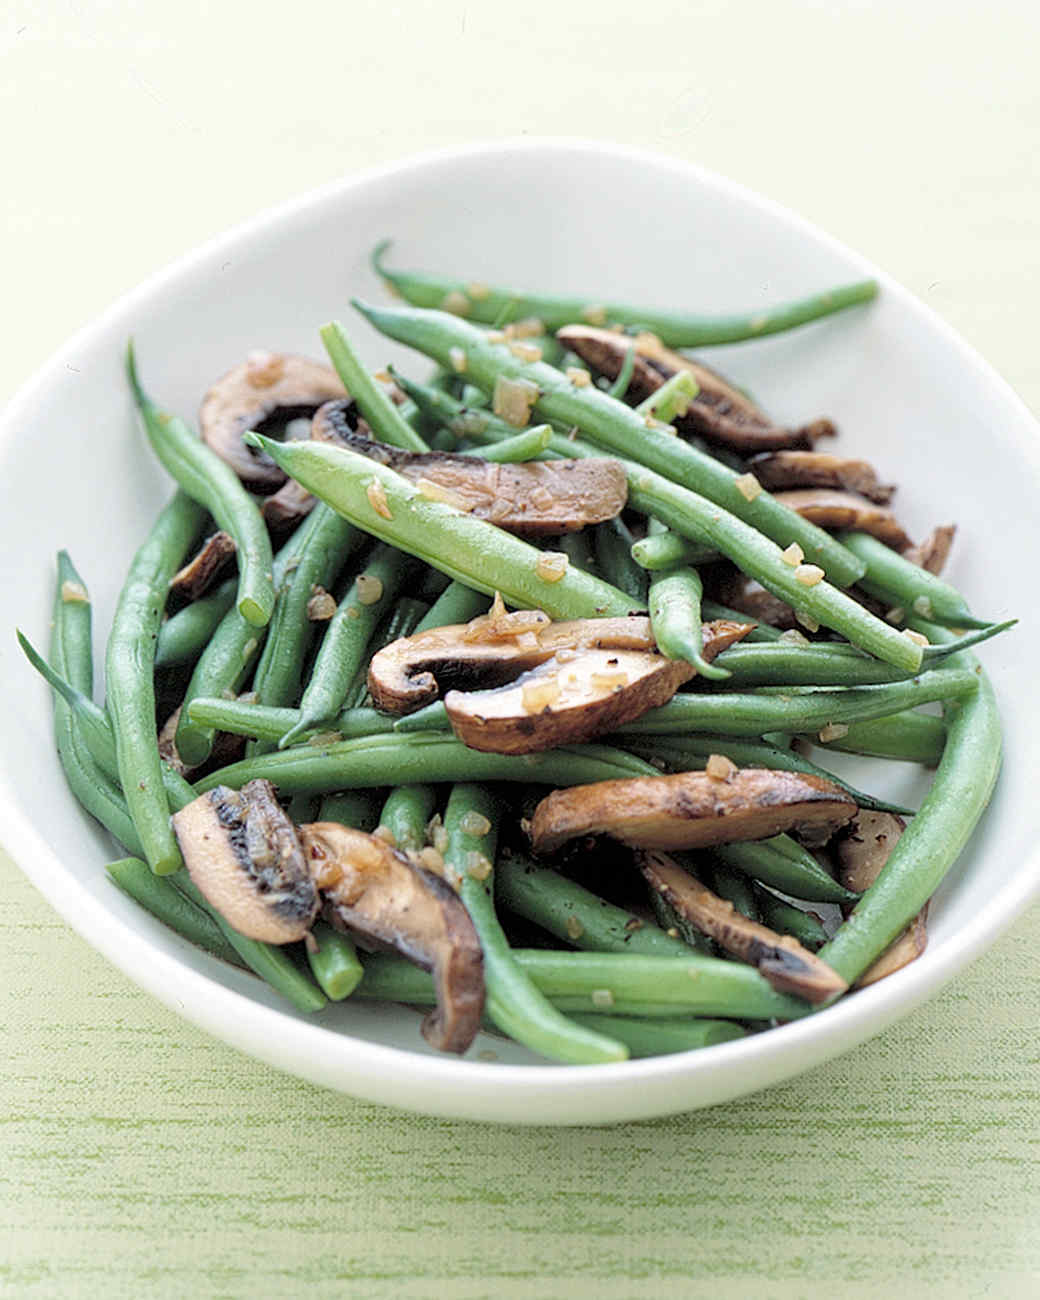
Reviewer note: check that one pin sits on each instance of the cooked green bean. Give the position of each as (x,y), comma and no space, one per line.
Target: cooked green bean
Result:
(72,637)
(356,808)
(665,550)
(456,604)
(272,964)
(785,865)
(157,895)
(661,1037)
(477,553)
(334,962)
(671,399)
(496,305)
(785,918)
(263,722)
(400,621)
(129,664)
(513,1001)
(330,540)
(394,759)
(759,632)
(933,840)
(889,577)
(213,484)
(619,387)
(613,545)
(525,446)
(347,635)
(693,985)
(383,417)
(576,915)
(734,887)
(405,814)
(905,736)
(183,637)
(613,425)
(675,617)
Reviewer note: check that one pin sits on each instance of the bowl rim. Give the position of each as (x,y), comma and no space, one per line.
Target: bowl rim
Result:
(244,1022)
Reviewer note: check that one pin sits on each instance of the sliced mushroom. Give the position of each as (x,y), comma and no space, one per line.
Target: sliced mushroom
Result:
(535,498)
(267,386)
(719,413)
(568,699)
(777,470)
(830,509)
(782,960)
(291,502)
(691,810)
(387,901)
(934,551)
(861,851)
(243,853)
(202,570)
(411,671)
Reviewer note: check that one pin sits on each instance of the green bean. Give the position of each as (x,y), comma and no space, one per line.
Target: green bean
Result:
(619,387)
(524,446)
(576,915)
(673,923)
(613,425)
(734,888)
(400,621)
(785,918)
(661,1037)
(128,676)
(183,637)
(347,636)
(904,737)
(264,722)
(667,549)
(933,840)
(272,964)
(334,962)
(782,863)
(693,985)
(156,895)
(73,641)
(513,1002)
(676,329)
(750,714)
(442,409)
(891,578)
(330,540)
(383,417)
(356,808)
(456,604)
(760,632)
(691,753)
(613,544)
(578,549)
(675,617)
(477,553)
(389,760)
(671,399)
(405,814)
(213,484)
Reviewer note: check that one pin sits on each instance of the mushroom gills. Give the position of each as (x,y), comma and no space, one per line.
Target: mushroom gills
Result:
(690,810)
(243,853)
(782,960)
(720,412)
(266,387)
(575,695)
(388,902)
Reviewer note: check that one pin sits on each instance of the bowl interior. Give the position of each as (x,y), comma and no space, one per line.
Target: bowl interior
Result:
(905,392)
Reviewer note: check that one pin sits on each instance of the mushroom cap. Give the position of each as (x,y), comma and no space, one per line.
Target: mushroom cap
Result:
(828,508)
(265,386)
(779,470)
(387,901)
(690,810)
(242,852)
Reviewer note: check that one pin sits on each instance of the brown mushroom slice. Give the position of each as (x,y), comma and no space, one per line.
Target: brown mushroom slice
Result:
(386,900)
(266,386)
(243,853)
(830,509)
(202,570)
(410,672)
(719,413)
(934,551)
(291,502)
(862,850)
(563,703)
(692,810)
(535,498)
(778,470)
(782,960)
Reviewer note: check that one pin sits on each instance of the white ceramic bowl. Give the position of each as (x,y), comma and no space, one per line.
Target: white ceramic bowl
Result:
(905,391)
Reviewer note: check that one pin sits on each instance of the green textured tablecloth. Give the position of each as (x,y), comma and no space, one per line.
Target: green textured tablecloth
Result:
(139,1158)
